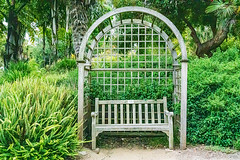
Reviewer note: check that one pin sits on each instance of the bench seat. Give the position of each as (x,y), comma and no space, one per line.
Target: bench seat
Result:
(130,116)
(131,127)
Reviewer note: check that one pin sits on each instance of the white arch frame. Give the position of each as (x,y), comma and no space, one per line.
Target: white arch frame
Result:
(81,64)
(134,21)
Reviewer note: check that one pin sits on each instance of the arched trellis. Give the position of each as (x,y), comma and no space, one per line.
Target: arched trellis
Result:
(86,51)
(133,21)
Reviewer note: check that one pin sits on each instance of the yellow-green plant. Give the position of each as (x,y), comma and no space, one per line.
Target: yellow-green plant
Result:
(19,70)
(37,120)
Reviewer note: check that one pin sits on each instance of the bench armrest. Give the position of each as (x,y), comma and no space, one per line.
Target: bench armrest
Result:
(94,114)
(169,114)
(170,125)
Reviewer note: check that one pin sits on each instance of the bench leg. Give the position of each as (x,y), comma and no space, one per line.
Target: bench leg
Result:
(170,133)
(170,140)
(94,135)
(93,141)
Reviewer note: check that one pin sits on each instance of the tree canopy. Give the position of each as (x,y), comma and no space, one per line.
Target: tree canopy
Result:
(62,24)
(219,16)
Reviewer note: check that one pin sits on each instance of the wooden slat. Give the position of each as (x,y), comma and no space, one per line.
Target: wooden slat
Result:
(152,113)
(146,113)
(115,113)
(135,134)
(134,114)
(96,107)
(140,113)
(103,114)
(165,108)
(131,127)
(129,101)
(128,114)
(121,112)
(132,119)
(159,113)
(132,69)
(109,114)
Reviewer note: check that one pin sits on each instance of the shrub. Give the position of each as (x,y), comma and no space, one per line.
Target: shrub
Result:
(236,144)
(231,42)
(17,71)
(213,99)
(65,64)
(146,90)
(72,79)
(37,121)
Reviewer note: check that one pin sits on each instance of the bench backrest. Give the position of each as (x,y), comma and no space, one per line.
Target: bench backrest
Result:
(131,111)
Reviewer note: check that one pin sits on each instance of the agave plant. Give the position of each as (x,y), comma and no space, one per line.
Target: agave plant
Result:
(37,121)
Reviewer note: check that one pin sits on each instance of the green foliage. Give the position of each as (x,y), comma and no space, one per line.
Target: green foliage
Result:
(2,46)
(72,79)
(193,10)
(221,149)
(17,71)
(36,52)
(146,90)
(69,79)
(236,144)
(64,65)
(98,9)
(213,99)
(37,120)
(224,9)
(230,42)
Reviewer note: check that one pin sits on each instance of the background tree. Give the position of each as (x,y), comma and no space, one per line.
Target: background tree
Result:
(79,21)
(192,14)
(40,10)
(83,14)
(12,10)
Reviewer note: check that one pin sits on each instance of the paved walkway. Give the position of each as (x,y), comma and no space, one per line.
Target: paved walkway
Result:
(195,153)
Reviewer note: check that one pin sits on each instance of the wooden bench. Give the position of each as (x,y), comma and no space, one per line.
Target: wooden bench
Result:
(131,115)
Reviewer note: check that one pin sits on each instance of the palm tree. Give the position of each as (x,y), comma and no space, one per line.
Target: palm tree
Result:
(224,9)
(79,21)
(81,12)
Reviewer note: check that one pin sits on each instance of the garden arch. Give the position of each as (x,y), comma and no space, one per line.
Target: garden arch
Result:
(119,51)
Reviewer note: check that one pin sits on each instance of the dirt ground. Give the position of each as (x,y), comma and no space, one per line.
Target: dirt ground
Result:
(192,153)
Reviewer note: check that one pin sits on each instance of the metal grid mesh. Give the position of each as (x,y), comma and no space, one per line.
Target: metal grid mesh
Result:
(131,54)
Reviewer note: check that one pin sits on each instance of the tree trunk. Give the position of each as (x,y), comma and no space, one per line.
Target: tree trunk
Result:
(44,43)
(218,37)
(216,41)
(67,32)
(79,21)
(15,38)
(54,29)
(70,49)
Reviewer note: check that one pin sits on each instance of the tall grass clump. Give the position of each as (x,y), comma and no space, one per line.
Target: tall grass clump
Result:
(17,71)
(37,120)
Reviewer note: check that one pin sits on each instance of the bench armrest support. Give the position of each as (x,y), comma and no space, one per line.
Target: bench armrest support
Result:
(170,125)
(94,114)
(94,132)
(169,114)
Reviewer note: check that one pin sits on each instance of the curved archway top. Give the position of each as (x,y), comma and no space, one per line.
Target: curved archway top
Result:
(132,21)
(134,9)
